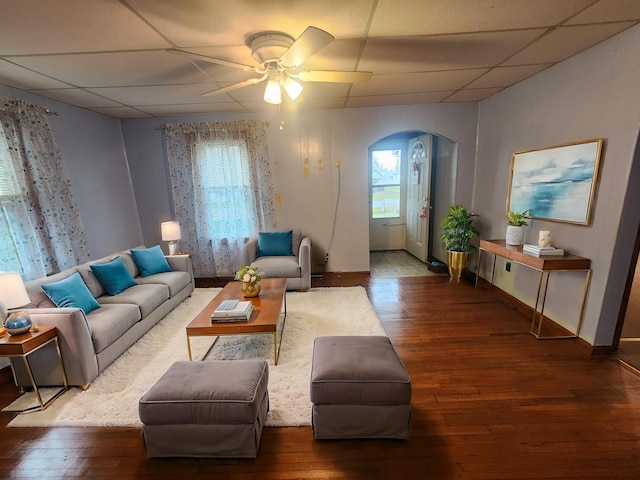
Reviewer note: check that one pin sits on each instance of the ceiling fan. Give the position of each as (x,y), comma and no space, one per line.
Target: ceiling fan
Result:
(279,56)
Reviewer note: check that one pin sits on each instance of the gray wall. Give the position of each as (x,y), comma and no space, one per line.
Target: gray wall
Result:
(595,94)
(93,152)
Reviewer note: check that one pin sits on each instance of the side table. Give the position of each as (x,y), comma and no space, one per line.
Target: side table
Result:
(27,343)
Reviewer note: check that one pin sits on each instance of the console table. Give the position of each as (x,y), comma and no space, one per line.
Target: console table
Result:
(545,265)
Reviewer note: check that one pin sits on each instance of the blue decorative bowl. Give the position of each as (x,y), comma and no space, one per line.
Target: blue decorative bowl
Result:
(18,323)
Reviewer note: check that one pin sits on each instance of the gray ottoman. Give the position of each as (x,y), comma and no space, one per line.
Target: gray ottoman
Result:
(359,389)
(206,409)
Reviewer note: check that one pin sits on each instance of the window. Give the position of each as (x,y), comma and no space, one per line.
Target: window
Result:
(224,170)
(385,183)
(15,226)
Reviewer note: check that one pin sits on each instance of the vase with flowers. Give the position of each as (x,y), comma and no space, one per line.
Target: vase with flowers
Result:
(250,278)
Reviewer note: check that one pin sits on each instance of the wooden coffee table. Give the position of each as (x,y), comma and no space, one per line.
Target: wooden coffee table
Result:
(269,315)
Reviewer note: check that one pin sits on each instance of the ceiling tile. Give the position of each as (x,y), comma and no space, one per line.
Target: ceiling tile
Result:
(444,52)
(44,26)
(564,42)
(160,94)
(224,22)
(403,99)
(472,95)
(122,68)
(79,97)
(415,82)
(420,17)
(17,76)
(193,108)
(608,11)
(506,76)
(121,112)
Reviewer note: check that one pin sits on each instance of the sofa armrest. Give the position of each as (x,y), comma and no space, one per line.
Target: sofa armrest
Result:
(181,263)
(249,251)
(304,259)
(76,347)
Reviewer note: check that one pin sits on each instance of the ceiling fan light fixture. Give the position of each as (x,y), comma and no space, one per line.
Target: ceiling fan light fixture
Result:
(293,88)
(273,94)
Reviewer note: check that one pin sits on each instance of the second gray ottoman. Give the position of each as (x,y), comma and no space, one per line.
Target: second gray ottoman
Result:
(206,409)
(359,389)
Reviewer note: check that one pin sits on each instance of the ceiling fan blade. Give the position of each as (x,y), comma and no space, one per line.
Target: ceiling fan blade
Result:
(311,40)
(236,86)
(333,76)
(219,61)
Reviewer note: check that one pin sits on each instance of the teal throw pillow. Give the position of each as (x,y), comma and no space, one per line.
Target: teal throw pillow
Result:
(150,260)
(113,276)
(71,292)
(274,244)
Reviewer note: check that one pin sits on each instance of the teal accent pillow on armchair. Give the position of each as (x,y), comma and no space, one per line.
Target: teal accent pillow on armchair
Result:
(274,244)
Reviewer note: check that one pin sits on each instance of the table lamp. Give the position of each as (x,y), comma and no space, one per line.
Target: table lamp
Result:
(171,234)
(13,294)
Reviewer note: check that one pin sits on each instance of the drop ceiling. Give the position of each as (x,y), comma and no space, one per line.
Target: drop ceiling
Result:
(110,56)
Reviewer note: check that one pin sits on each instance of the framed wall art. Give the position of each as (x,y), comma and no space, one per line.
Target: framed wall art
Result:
(556,183)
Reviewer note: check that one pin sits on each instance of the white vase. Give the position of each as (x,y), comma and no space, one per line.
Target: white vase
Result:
(515,235)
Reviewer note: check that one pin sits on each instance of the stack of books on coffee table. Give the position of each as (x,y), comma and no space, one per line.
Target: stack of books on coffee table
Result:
(232,311)
(538,251)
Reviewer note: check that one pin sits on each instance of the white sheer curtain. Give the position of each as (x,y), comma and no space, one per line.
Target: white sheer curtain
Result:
(222,189)
(40,228)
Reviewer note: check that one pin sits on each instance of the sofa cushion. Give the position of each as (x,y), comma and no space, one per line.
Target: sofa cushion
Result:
(113,276)
(150,260)
(278,267)
(109,323)
(147,297)
(176,281)
(71,292)
(271,244)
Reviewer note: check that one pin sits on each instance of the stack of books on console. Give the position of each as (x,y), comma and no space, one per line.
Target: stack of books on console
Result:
(232,311)
(537,251)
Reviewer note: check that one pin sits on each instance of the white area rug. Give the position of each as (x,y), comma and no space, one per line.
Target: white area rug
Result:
(112,399)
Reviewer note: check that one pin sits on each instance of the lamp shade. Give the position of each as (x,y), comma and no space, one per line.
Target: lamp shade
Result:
(273,94)
(170,231)
(12,291)
(292,88)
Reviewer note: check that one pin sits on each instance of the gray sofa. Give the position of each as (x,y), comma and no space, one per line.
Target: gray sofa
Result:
(89,343)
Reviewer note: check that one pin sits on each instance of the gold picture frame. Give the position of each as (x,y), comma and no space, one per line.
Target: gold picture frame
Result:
(556,183)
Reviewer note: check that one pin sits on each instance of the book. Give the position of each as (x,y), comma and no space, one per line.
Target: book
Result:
(541,251)
(232,311)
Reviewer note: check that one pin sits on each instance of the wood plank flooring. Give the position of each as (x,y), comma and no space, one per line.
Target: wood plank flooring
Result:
(489,402)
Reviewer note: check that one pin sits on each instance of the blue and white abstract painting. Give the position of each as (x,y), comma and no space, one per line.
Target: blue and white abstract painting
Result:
(555,183)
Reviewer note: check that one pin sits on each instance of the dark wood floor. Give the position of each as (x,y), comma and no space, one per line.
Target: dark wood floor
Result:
(489,402)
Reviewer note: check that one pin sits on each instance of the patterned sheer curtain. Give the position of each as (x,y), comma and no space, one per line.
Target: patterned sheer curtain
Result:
(222,189)
(40,228)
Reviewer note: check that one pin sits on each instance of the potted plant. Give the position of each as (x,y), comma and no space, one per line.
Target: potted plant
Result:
(515,222)
(456,235)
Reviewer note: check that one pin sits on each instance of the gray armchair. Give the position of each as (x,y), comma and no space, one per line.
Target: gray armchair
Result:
(280,254)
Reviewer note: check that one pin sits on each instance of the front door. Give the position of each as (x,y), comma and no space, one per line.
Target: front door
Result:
(418,197)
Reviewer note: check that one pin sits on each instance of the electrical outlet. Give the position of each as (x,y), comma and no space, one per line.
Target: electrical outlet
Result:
(507,266)
(337,162)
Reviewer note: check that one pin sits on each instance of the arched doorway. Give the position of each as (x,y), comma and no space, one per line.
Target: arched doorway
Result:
(411,186)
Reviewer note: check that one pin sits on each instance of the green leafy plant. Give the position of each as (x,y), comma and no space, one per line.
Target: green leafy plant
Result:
(457,230)
(517,218)
(250,275)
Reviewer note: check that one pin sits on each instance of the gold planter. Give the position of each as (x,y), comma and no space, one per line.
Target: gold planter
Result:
(458,263)
(250,290)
